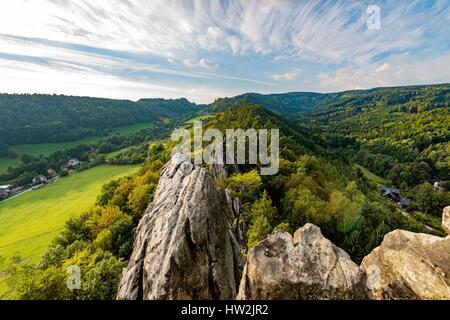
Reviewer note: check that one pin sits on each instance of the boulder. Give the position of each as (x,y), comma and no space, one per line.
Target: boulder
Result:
(409,266)
(185,247)
(446,220)
(306,266)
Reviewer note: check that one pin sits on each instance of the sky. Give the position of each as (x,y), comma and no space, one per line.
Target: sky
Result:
(204,50)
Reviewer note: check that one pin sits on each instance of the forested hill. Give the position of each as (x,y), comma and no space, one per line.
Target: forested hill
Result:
(169,108)
(401,134)
(341,104)
(31,119)
(284,103)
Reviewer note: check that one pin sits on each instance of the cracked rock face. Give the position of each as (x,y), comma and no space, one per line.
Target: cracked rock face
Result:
(306,266)
(446,220)
(185,247)
(409,266)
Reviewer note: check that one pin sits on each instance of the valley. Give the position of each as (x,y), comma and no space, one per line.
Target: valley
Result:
(337,152)
(29,223)
(46,149)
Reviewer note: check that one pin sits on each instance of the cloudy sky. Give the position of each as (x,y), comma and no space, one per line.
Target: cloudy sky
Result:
(203,50)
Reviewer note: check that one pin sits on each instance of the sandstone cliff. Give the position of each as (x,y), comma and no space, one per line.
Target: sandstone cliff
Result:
(306,266)
(446,220)
(185,247)
(410,265)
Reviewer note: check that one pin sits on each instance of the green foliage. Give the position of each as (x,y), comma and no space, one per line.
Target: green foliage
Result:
(98,242)
(427,199)
(31,119)
(261,216)
(245,186)
(284,226)
(401,134)
(139,198)
(259,230)
(316,184)
(395,135)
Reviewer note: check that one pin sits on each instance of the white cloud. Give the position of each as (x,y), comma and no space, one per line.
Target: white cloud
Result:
(172,38)
(400,70)
(202,63)
(321,31)
(19,77)
(289,76)
(384,67)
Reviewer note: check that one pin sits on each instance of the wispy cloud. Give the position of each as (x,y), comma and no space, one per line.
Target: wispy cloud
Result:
(226,46)
(202,63)
(288,76)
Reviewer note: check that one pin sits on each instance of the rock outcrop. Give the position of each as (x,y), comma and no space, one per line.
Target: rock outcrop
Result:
(409,266)
(446,220)
(306,266)
(185,247)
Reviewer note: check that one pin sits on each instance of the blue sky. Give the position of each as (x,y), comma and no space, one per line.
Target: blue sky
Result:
(203,50)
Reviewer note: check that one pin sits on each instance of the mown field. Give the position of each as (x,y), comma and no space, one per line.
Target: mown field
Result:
(29,222)
(48,148)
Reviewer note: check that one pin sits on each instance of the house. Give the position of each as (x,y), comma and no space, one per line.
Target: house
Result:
(51,173)
(73,162)
(5,191)
(391,193)
(39,179)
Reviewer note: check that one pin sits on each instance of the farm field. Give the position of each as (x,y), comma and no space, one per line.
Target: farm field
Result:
(29,222)
(48,148)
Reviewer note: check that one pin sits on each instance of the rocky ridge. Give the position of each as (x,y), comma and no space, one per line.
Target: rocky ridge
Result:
(187,248)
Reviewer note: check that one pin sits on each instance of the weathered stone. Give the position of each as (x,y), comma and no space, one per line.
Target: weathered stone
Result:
(446,220)
(185,247)
(409,266)
(306,266)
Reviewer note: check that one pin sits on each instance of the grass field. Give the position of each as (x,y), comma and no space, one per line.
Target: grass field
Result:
(29,222)
(6,162)
(48,148)
(371,176)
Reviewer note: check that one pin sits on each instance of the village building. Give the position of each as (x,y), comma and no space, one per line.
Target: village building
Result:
(72,163)
(39,179)
(51,172)
(391,193)
(5,191)
(394,195)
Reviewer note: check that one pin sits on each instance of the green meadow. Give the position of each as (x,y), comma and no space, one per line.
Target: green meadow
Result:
(6,162)
(30,221)
(48,148)
(371,176)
